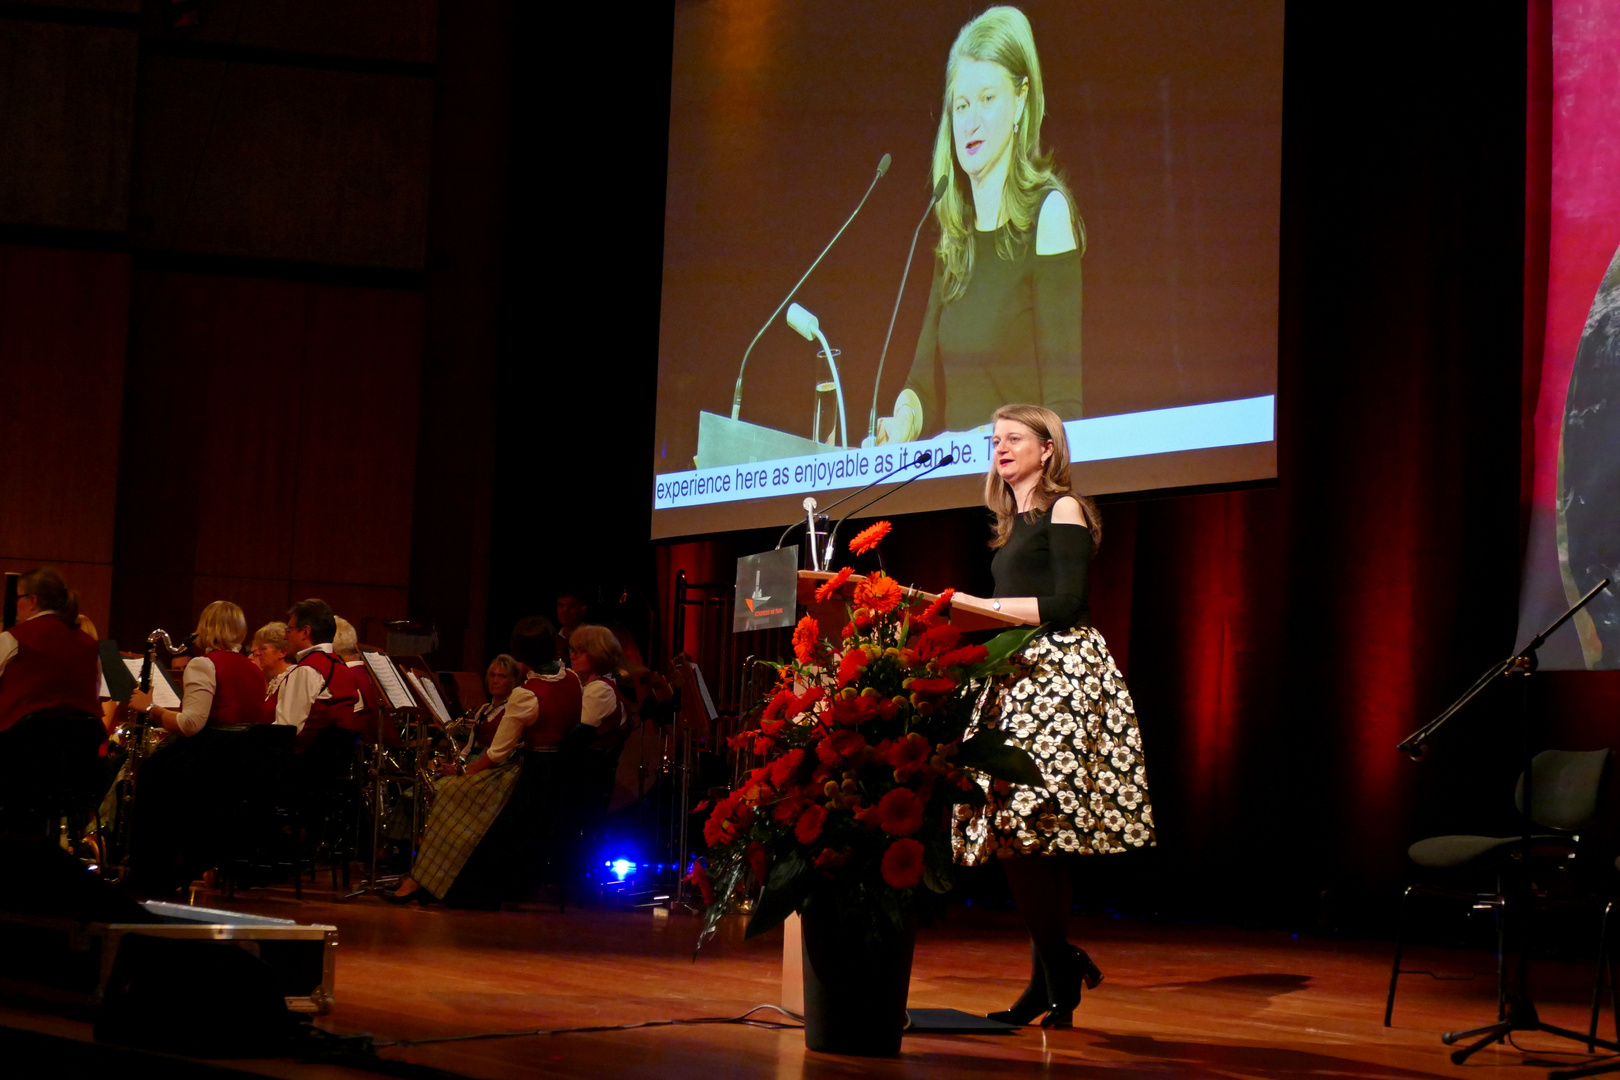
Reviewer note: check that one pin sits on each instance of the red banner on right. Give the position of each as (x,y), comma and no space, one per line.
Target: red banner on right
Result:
(1573,246)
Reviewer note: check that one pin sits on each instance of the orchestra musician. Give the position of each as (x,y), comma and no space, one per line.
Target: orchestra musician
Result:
(319,693)
(488,826)
(178,825)
(346,644)
(46,661)
(270,651)
(502,677)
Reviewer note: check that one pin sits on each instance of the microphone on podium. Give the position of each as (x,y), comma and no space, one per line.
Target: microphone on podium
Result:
(736,395)
(877,384)
(832,535)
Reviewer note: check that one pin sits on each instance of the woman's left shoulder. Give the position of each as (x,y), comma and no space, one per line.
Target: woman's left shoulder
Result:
(1067,511)
(1054,230)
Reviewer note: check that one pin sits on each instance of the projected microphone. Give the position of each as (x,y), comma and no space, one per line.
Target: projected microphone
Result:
(736,395)
(871,423)
(832,537)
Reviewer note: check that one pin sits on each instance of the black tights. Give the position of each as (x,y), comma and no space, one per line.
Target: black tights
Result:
(1043,890)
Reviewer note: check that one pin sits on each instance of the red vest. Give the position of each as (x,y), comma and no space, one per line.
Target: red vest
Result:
(55,666)
(364,721)
(339,710)
(560,701)
(238,691)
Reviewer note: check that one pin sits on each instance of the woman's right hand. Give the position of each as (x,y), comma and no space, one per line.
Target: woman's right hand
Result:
(905,424)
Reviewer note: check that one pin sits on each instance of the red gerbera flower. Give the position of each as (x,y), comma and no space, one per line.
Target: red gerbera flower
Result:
(941,602)
(903,863)
(907,754)
(699,875)
(900,812)
(967,654)
(810,822)
(850,666)
(827,588)
(805,637)
(840,746)
(869,537)
(783,768)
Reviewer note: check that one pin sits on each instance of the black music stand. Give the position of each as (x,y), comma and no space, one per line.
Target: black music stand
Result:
(1519,907)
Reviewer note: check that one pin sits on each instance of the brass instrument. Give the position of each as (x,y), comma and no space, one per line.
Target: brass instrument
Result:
(139,736)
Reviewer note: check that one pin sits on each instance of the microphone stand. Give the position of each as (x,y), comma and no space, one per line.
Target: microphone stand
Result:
(736,394)
(1518,909)
(832,536)
(877,385)
(922,456)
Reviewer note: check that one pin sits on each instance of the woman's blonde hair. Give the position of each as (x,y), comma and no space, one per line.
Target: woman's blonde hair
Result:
(222,625)
(273,634)
(601,646)
(998,494)
(1001,36)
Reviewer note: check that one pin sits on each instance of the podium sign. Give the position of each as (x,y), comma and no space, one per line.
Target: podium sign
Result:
(767,590)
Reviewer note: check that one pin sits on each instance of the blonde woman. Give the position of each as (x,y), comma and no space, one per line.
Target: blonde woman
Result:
(1069,710)
(1003,320)
(185,785)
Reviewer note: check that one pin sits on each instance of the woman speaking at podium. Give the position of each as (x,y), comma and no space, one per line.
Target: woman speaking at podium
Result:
(1069,709)
(1003,321)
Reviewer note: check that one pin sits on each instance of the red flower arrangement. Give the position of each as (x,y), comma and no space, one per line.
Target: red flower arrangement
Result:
(864,755)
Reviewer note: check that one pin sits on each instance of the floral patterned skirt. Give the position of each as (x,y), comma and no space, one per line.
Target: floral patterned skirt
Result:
(1073,715)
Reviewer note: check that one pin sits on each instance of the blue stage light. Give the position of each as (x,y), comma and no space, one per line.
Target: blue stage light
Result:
(622,868)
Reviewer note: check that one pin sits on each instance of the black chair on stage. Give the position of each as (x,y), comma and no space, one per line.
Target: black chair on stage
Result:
(60,775)
(261,767)
(1567,789)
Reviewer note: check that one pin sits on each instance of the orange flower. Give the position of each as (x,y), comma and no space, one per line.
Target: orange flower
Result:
(827,588)
(903,863)
(849,629)
(900,812)
(810,822)
(805,637)
(805,700)
(850,666)
(869,537)
(941,602)
(879,591)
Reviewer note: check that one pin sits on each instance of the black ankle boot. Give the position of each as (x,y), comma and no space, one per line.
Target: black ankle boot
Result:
(1033,1001)
(1066,972)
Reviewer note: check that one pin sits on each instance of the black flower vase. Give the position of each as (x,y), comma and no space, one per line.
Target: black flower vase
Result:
(854,987)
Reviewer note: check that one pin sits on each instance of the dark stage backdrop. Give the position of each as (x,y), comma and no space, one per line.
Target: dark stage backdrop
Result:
(1281,641)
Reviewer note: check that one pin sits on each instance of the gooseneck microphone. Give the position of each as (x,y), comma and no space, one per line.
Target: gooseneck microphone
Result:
(832,535)
(877,386)
(922,456)
(736,395)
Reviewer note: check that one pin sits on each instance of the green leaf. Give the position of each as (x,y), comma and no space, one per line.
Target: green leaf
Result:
(786,886)
(989,752)
(1003,645)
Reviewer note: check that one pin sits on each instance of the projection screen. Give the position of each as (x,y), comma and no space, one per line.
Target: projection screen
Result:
(1155,338)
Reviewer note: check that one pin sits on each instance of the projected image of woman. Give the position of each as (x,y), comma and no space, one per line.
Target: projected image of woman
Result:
(1003,321)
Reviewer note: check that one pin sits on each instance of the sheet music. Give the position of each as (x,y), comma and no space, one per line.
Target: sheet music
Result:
(162,689)
(103,693)
(421,692)
(387,676)
(436,700)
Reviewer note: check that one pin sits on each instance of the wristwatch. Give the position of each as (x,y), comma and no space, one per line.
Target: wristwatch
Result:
(995,605)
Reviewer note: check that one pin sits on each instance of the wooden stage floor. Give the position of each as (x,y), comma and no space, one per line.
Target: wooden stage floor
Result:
(1178,1001)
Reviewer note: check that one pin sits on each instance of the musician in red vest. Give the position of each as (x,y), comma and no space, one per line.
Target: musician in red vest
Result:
(346,645)
(183,789)
(46,662)
(319,694)
(470,856)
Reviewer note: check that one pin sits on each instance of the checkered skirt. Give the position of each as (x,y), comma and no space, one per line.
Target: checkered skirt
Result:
(463,810)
